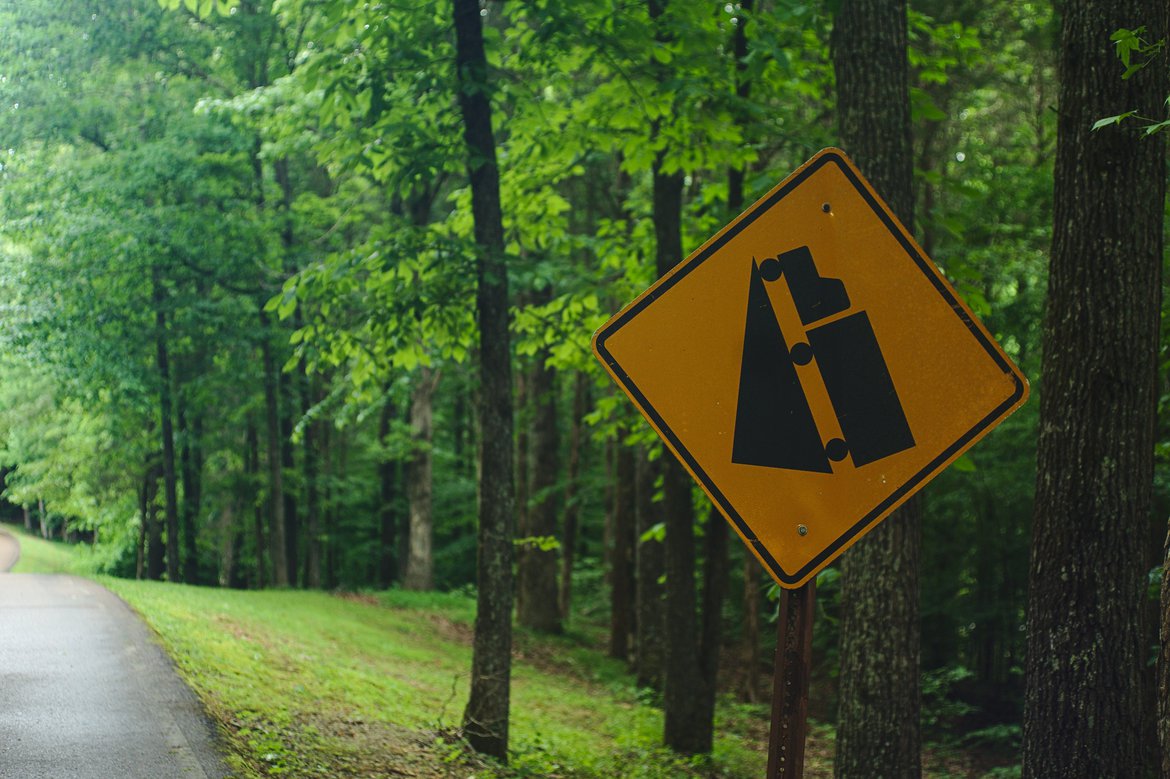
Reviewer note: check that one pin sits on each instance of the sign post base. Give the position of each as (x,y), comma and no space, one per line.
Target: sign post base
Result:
(791,682)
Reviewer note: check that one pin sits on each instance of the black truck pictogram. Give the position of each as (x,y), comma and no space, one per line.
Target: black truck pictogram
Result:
(774,425)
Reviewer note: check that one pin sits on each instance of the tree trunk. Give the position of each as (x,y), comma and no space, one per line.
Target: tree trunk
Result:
(1164,664)
(292,523)
(485,721)
(276,535)
(1083,709)
(523,502)
(388,513)
(687,723)
(155,552)
(622,569)
(877,729)
(309,461)
(227,545)
(650,594)
(170,486)
(28,519)
(420,565)
(538,592)
(191,468)
(252,474)
(572,510)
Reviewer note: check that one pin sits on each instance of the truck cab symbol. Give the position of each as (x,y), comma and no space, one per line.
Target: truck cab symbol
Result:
(774,425)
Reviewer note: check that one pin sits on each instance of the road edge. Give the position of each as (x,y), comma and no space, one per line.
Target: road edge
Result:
(16,543)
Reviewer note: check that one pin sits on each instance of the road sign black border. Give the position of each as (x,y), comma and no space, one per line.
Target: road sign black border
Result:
(924,265)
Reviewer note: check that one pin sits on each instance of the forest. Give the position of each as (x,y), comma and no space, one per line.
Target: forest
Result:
(300,293)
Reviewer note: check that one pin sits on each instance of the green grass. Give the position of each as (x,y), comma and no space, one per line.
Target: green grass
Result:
(40,556)
(311,684)
(315,684)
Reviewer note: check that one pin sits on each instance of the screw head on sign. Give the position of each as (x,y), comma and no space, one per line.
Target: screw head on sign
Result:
(802,530)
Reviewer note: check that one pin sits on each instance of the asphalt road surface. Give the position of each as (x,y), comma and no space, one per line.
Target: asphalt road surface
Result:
(86,694)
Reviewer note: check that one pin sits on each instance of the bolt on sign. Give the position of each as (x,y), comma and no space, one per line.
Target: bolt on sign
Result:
(810,367)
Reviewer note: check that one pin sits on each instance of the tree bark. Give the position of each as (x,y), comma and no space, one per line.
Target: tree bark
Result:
(572,510)
(537,599)
(170,487)
(252,474)
(310,464)
(420,565)
(1083,709)
(388,471)
(276,505)
(292,524)
(1164,664)
(191,468)
(155,552)
(650,616)
(485,721)
(878,718)
(622,569)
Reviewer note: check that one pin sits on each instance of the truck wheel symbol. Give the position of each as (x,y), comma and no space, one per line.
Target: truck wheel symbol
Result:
(774,426)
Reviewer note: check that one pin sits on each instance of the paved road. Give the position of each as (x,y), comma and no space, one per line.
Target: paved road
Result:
(86,694)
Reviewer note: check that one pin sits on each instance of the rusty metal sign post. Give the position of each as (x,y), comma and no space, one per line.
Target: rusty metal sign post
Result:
(790,685)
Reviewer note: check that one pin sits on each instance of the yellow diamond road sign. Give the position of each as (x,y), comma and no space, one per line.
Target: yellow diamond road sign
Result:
(810,367)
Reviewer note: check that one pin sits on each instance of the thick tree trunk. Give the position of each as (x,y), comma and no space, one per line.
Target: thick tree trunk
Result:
(276,504)
(538,592)
(420,564)
(1083,711)
(485,721)
(1164,664)
(877,729)
(170,486)
(622,550)
(650,594)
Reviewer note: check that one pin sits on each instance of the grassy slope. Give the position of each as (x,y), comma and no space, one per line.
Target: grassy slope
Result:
(313,684)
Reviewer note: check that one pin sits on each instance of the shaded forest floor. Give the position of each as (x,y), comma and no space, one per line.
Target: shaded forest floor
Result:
(311,684)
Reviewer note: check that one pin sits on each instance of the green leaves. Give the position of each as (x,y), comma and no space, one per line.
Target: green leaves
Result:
(1128,43)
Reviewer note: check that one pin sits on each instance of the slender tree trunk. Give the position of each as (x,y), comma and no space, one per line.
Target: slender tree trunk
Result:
(735,198)
(227,545)
(309,460)
(170,488)
(155,552)
(1084,712)
(572,510)
(523,501)
(276,504)
(28,519)
(538,602)
(485,721)
(191,468)
(140,558)
(622,581)
(388,514)
(292,519)
(420,564)
(252,474)
(650,593)
(687,724)
(878,733)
